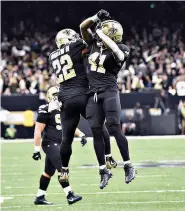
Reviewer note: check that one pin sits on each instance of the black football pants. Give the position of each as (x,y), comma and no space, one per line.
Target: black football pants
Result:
(107,107)
(52,160)
(70,116)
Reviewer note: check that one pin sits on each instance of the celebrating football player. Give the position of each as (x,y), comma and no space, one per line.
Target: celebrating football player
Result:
(48,122)
(107,55)
(67,62)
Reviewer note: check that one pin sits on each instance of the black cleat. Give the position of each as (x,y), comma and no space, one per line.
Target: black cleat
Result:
(130,172)
(105,176)
(40,200)
(64,177)
(72,198)
(110,162)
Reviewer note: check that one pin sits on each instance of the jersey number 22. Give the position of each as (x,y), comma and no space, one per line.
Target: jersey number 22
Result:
(66,72)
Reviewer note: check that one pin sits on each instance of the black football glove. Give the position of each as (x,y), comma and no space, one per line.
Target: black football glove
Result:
(83,141)
(103,15)
(36,156)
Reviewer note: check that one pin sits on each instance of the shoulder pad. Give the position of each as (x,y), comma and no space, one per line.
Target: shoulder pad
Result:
(43,109)
(78,43)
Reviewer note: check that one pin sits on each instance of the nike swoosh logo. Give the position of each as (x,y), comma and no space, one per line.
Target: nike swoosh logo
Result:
(70,200)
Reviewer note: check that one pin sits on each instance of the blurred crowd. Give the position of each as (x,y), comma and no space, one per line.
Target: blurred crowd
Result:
(157,59)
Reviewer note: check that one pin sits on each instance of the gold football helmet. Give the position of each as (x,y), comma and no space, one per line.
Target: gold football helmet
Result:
(113,30)
(52,93)
(66,36)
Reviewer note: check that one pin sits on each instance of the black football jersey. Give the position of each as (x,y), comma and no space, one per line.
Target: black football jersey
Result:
(103,67)
(67,63)
(53,129)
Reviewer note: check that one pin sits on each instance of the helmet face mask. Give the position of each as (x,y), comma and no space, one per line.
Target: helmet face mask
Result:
(113,30)
(66,36)
(52,93)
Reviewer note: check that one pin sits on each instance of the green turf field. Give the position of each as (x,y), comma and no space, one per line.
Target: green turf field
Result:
(159,186)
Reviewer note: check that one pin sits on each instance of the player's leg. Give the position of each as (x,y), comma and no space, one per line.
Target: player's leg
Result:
(44,183)
(70,118)
(96,118)
(110,162)
(56,162)
(113,112)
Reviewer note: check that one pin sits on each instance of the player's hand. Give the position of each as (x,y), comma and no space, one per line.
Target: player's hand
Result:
(54,104)
(83,141)
(36,156)
(103,15)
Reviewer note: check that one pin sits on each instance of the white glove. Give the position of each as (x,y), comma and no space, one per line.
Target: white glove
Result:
(54,105)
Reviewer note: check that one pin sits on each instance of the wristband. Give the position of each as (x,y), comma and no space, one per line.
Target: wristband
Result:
(37,148)
(82,135)
(95,18)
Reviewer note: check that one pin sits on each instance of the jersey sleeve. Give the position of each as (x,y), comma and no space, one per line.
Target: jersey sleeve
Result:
(43,114)
(79,44)
(78,48)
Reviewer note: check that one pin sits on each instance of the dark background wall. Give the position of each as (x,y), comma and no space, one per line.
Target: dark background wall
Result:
(72,13)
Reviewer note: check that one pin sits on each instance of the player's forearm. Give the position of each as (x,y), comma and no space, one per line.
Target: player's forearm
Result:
(111,44)
(85,28)
(37,140)
(79,133)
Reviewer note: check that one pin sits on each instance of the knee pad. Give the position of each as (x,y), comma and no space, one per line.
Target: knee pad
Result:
(114,128)
(112,120)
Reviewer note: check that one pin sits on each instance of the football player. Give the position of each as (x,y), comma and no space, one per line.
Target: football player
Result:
(67,62)
(107,55)
(48,123)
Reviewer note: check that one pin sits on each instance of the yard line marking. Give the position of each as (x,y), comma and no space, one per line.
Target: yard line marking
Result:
(52,186)
(3,141)
(148,176)
(113,192)
(4,198)
(21,187)
(78,178)
(101,203)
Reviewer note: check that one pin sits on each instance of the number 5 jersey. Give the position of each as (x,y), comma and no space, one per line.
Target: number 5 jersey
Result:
(68,65)
(53,129)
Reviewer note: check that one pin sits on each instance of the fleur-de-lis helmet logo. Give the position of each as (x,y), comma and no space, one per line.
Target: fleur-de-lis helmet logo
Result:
(67,32)
(113,30)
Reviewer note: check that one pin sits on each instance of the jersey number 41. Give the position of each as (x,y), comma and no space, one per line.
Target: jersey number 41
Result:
(94,66)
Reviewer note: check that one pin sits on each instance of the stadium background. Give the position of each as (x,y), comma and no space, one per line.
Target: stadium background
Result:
(151,90)
(151,84)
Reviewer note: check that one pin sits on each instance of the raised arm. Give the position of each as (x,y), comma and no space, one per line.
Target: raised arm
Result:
(86,32)
(111,45)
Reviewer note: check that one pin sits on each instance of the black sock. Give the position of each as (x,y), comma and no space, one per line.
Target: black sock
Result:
(106,139)
(121,140)
(99,146)
(44,182)
(63,184)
